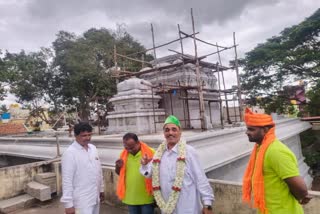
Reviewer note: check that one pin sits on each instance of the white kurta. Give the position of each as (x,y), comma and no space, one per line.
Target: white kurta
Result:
(195,188)
(82,179)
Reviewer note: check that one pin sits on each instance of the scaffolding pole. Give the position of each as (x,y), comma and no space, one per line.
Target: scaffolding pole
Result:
(162,45)
(183,106)
(183,69)
(220,103)
(200,40)
(153,110)
(186,88)
(116,63)
(154,46)
(133,59)
(238,77)
(224,87)
(142,59)
(198,77)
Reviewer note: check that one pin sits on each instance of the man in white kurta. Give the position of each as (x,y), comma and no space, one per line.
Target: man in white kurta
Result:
(82,181)
(196,195)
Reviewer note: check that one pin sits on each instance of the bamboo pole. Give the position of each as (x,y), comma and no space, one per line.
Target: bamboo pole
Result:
(180,39)
(133,59)
(217,52)
(153,110)
(116,63)
(183,68)
(162,45)
(224,87)
(142,59)
(238,77)
(154,46)
(185,56)
(200,40)
(220,103)
(201,102)
(58,145)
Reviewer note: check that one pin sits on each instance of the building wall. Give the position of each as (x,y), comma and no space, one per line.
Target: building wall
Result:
(178,107)
(227,194)
(228,199)
(14,179)
(8,160)
(232,170)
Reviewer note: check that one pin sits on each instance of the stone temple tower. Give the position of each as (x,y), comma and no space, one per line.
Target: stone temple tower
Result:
(136,108)
(184,102)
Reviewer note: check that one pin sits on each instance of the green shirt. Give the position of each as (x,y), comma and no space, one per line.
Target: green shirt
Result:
(136,193)
(280,163)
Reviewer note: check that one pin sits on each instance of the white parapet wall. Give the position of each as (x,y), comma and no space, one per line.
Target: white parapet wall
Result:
(223,153)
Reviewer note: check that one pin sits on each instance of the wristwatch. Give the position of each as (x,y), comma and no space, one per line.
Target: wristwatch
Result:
(208,207)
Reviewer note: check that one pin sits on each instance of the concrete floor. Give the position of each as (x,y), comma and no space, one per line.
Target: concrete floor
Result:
(55,207)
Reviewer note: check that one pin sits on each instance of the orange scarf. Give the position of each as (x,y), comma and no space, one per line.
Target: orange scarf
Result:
(256,165)
(121,186)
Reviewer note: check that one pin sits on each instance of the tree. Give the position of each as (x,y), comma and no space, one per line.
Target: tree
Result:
(83,62)
(313,106)
(3,78)
(26,74)
(33,80)
(293,55)
(277,104)
(71,74)
(4,108)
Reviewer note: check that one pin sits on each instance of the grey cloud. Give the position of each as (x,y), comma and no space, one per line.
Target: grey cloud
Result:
(30,24)
(35,23)
(163,32)
(165,15)
(207,11)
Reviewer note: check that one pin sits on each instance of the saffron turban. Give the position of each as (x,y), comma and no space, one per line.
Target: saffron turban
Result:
(173,120)
(253,189)
(252,119)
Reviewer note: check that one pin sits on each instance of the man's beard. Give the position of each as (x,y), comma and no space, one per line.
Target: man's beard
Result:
(255,139)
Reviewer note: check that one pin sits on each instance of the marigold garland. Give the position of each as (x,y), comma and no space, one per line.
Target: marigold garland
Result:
(169,206)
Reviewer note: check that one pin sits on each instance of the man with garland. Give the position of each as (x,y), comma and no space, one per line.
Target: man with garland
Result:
(178,180)
(271,181)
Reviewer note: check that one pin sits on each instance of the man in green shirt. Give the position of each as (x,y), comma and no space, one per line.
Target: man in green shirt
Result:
(271,182)
(134,189)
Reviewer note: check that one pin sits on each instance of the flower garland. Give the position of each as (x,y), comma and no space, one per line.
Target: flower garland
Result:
(169,206)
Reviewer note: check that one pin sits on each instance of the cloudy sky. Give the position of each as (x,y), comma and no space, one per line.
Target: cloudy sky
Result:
(31,24)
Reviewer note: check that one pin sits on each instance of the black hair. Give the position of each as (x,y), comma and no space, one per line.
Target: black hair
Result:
(268,126)
(130,136)
(82,127)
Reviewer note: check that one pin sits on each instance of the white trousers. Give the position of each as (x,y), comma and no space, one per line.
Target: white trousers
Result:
(89,210)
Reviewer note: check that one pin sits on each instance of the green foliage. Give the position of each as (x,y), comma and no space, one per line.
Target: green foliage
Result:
(83,62)
(292,55)
(26,75)
(307,138)
(4,108)
(274,104)
(312,158)
(73,73)
(3,77)
(313,106)
(310,147)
